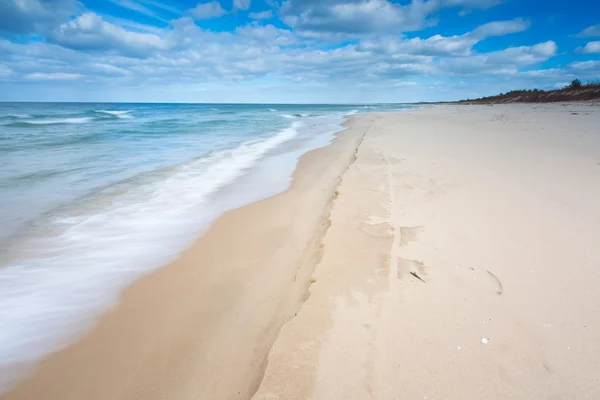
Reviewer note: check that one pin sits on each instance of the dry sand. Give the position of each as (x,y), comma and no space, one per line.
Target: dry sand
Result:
(494,209)
(497,209)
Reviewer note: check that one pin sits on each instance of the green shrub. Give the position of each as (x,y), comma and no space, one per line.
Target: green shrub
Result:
(576,84)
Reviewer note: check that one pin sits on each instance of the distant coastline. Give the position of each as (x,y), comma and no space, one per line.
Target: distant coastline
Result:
(574,92)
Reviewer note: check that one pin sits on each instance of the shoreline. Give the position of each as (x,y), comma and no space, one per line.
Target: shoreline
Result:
(118,331)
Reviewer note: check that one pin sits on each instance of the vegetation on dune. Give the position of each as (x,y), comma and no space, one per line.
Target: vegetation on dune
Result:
(575,91)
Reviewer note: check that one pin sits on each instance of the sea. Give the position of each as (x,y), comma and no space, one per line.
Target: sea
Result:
(95,196)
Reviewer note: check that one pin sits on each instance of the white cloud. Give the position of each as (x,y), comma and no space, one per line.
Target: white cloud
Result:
(268,14)
(437,45)
(184,59)
(241,4)
(500,28)
(135,6)
(585,65)
(352,17)
(89,32)
(27,16)
(584,70)
(507,61)
(359,17)
(591,31)
(208,10)
(590,48)
(150,8)
(433,46)
(185,53)
(57,76)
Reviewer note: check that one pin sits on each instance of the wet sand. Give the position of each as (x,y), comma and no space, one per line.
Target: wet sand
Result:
(201,327)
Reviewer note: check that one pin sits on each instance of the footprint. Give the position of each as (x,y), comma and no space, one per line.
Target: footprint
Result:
(378,227)
(414,267)
(409,234)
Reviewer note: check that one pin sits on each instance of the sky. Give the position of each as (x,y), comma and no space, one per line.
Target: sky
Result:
(292,51)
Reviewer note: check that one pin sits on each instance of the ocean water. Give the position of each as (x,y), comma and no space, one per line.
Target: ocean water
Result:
(94,196)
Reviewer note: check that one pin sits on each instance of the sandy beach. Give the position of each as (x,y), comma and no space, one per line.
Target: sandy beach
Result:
(494,209)
(448,252)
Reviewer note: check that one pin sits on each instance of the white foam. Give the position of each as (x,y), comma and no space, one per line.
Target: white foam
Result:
(81,120)
(116,113)
(54,295)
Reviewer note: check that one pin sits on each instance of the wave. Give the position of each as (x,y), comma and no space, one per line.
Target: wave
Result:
(21,120)
(76,279)
(116,113)
(54,121)
(14,116)
(293,116)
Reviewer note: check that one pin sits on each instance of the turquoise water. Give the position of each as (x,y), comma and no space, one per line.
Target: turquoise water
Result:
(94,196)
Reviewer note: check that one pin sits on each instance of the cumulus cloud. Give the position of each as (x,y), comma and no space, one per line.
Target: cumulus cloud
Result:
(208,10)
(241,4)
(507,61)
(368,16)
(352,17)
(592,31)
(89,32)
(34,16)
(185,52)
(589,48)
(438,45)
(268,14)
(106,51)
(585,65)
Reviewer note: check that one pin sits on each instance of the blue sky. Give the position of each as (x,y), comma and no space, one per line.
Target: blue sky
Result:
(292,51)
